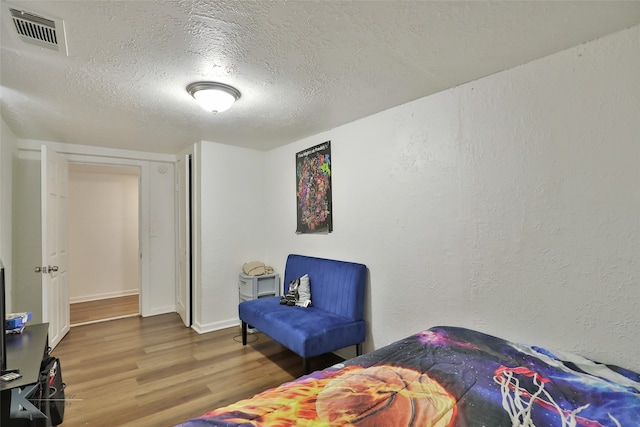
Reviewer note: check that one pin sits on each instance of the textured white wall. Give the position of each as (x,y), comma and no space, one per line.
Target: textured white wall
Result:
(510,205)
(230,206)
(103,234)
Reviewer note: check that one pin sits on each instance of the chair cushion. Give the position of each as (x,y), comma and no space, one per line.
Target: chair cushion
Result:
(306,331)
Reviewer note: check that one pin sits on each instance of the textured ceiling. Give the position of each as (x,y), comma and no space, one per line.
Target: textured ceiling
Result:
(302,67)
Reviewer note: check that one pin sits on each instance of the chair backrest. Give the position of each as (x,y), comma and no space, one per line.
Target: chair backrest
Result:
(336,286)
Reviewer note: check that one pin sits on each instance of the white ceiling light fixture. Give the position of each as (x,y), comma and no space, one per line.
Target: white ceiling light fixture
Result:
(213,96)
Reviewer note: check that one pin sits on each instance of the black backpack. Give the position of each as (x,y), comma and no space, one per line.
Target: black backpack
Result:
(51,384)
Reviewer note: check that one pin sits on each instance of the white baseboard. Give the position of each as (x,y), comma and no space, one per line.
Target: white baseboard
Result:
(106,295)
(159,310)
(215,326)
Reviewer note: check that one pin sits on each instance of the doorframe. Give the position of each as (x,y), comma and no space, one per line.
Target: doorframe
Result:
(184,184)
(114,157)
(143,218)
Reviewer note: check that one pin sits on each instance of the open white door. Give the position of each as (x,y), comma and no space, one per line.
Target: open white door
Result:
(55,255)
(183,290)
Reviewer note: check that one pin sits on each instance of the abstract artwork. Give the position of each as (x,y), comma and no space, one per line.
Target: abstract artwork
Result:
(313,189)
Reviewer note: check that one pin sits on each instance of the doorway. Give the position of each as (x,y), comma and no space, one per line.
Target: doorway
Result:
(104,247)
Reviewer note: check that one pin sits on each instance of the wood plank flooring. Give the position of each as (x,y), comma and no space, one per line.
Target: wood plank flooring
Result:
(105,309)
(155,372)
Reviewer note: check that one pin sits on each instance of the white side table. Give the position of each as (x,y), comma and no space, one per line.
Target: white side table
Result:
(254,287)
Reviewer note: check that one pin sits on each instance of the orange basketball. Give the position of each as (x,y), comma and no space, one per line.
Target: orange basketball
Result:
(385,396)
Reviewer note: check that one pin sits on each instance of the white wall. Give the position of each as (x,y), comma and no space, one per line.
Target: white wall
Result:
(510,205)
(7,153)
(229,228)
(27,237)
(103,232)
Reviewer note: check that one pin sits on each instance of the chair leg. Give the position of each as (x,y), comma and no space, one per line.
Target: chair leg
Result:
(306,367)
(244,333)
(358,349)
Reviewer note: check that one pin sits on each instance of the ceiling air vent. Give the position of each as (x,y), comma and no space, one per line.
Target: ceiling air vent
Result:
(39,31)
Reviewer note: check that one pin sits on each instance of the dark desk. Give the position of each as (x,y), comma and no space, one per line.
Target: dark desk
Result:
(25,351)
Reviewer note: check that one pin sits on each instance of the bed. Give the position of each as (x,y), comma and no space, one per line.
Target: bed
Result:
(447,376)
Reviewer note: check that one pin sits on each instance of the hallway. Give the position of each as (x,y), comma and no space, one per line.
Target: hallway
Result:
(83,313)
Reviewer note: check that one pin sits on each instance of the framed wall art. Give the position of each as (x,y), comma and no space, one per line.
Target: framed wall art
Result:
(313,189)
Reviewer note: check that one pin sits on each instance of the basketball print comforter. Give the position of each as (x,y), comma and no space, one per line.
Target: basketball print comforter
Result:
(447,376)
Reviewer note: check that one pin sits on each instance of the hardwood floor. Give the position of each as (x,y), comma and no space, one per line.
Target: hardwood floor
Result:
(105,309)
(155,372)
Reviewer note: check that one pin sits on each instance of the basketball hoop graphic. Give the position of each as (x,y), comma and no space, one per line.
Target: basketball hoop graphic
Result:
(518,402)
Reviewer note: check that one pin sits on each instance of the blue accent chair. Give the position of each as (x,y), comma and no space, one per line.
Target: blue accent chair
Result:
(335,319)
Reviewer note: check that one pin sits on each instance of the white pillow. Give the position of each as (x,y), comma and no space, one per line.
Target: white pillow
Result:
(304,292)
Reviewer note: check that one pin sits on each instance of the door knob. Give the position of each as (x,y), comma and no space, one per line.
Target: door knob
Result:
(45,269)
